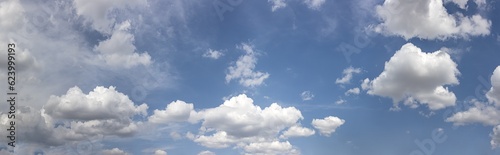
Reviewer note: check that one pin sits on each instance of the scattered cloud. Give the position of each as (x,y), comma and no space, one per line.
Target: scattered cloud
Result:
(416,76)
(206,153)
(348,72)
(213,54)
(160,152)
(114,151)
(307,95)
(484,113)
(314,4)
(495,137)
(243,69)
(353,91)
(327,125)
(428,19)
(274,147)
(277,4)
(340,101)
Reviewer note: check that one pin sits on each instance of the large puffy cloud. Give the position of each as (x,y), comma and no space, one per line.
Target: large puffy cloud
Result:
(243,69)
(416,77)
(327,125)
(428,19)
(239,123)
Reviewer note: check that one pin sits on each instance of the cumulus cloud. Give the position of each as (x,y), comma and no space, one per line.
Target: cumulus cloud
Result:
(274,147)
(340,101)
(114,151)
(354,91)
(314,4)
(243,69)
(348,72)
(479,113)
(485,113)
(428,19)
(493,94)
(206,153)
(416,77)
(238,122)
(307,95)
(119,50)
(160,152)
(177,111)
(327,125)
(277,4)
(213,54)
(297,131)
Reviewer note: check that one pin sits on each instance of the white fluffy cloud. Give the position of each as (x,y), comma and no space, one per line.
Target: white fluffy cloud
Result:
(348,72)
(297,131)
(495,137)
(114,151)
(213,54)
(119,50)
(354,91)
(160,152)
(479,113)
(243,69)
(484,113)
(274,147)
(206,153)
(428,19)
(327,125)
(307,95)
(178,111)
(277,4)
(240,123)
(493,94)
(314,4)
(416,77)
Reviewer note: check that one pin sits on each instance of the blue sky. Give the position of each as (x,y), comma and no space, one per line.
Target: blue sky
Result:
(311,77)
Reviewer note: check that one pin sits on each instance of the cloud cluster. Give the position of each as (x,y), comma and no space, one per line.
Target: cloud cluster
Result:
(239,123)
(417,78)
(243,68)
(484,113)
(428,19)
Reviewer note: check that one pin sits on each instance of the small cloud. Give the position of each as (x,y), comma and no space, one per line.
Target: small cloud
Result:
(354,91)
(307,95)
(348,72)
(213,54)
(340,101)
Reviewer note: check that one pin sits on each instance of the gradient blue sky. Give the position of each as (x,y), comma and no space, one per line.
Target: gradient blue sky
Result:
(167,77)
